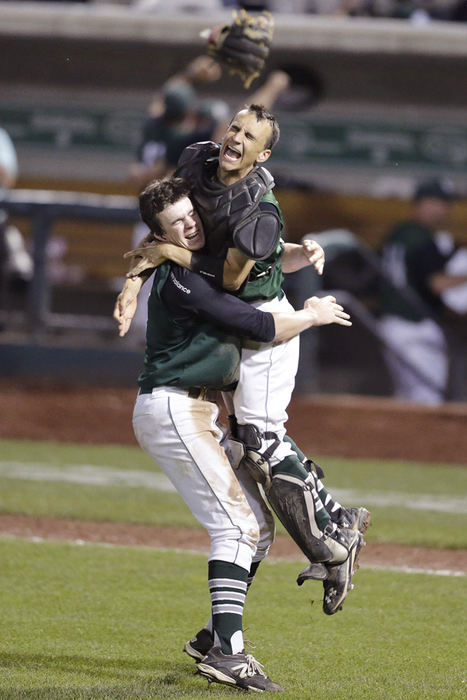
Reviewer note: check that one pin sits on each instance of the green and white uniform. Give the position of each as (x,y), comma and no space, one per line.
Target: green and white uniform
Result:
(246,215)
(193,344)
(417,356)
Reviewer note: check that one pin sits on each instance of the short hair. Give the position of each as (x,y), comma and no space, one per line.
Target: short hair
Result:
(263,114)
(158,195)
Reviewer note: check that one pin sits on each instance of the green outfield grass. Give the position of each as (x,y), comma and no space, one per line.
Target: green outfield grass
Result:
(388,488)
(91,622)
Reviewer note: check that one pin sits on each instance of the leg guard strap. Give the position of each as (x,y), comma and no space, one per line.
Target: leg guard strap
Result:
(309,464)
(256,462)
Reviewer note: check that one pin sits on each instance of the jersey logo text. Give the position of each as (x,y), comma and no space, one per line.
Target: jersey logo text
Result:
(179,285)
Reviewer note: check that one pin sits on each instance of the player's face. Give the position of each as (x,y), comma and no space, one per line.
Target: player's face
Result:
(244,145)
(433,211)
(181,225)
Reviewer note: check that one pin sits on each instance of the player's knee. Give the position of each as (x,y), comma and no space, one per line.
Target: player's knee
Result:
(251,533)
(266,538)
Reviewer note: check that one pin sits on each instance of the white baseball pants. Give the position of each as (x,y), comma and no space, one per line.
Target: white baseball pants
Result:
(182,437)
(420,368)
(267,380)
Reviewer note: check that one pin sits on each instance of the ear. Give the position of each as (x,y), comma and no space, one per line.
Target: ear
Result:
(263,156)
(159,236)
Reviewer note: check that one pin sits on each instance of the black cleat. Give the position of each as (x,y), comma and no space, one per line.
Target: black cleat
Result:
(313,572)
(239,670)
(339,581)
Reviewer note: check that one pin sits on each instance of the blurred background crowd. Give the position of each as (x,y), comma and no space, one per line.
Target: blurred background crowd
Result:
(415,10)
(372,162)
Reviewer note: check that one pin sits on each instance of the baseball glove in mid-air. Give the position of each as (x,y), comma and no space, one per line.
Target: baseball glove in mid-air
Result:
(243,45)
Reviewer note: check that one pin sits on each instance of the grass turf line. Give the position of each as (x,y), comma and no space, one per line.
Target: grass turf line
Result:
(142,505)
(92,622)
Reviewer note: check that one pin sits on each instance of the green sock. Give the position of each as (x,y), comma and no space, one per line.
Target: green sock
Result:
(227,586)
(301,455)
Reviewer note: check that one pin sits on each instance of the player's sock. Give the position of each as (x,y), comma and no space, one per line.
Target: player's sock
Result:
(333,507)
(228,587)
(209,625)
(292,465)
(251,575)
(301,455)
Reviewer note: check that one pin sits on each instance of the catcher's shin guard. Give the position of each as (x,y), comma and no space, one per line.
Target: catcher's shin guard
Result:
(292,501)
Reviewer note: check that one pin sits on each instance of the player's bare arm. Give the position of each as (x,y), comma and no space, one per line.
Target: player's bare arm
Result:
(231,313)
(295,256)
(236,266)
(317,311)
(236,269)
(127,300)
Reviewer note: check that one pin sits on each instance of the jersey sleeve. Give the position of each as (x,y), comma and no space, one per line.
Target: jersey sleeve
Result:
(190,296)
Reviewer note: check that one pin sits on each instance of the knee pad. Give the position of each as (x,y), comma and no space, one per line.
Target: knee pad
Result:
(255,461)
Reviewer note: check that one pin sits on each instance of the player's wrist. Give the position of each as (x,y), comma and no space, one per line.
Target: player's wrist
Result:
(311,316)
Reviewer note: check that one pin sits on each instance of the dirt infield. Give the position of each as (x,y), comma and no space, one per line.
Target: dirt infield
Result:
(373,555)
(347,426)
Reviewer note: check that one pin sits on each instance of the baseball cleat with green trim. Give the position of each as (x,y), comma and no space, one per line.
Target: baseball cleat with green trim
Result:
(199,646)
(239,670)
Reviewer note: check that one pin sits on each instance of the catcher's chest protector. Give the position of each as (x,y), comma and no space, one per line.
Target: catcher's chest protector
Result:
(221,208)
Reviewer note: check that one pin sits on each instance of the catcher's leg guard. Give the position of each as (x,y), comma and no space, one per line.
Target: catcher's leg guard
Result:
(292,500)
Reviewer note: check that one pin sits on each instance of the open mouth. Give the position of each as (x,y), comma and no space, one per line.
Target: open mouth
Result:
(191,236)
(232,154)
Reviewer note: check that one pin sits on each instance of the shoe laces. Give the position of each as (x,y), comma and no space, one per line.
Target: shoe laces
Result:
(247,642)
(254,667)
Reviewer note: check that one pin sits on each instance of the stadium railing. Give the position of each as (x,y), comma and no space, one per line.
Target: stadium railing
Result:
(44,208)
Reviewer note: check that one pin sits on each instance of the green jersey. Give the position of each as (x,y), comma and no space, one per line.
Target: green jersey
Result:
(194,332)
(409,257)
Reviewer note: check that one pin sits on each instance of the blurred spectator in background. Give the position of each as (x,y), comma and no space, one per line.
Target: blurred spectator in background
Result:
(415,260)
(459,11)
(415,10)
(8,162)
(177,117)
(15,261)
